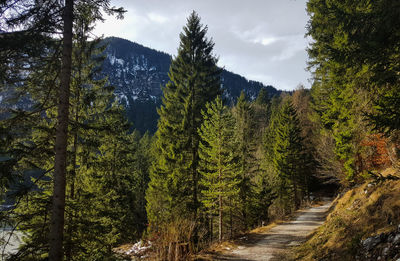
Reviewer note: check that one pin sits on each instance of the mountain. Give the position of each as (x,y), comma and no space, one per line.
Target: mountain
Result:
(138,74)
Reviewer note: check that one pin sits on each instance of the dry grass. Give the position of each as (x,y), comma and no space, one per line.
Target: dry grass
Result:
(217,248)
(266,228)
(390,171)
(362,212)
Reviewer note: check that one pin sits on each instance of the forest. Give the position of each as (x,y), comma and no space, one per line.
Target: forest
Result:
(77,180)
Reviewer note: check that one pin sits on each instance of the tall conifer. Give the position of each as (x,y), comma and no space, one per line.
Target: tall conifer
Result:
(217,162)
(245,155)
(288,150)
(194,81)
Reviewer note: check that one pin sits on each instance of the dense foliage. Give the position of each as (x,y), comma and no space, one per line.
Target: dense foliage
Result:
(218,165)
(173,192)
(355,60)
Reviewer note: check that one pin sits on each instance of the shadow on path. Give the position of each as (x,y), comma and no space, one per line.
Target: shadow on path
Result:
(271,244)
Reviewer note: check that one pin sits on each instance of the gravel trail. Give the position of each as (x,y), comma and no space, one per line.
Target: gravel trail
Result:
(274,242)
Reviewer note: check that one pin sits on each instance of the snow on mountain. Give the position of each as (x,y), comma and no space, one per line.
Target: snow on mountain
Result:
(138,73)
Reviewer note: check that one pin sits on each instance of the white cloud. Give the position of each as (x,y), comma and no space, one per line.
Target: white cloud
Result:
(268,40)
(259,39)
(160,19)
(291,45)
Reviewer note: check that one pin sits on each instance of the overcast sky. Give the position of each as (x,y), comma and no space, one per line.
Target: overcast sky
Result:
(262,40)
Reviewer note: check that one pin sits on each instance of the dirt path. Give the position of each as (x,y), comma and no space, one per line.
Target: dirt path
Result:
(279,238)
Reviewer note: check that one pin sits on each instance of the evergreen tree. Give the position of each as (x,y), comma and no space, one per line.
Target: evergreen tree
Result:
(263,194)
(356,35)
(288,153)
(341,105)
(194,81)
(386,116)
(217,162)
(263,97)
(103,171)
(143,160)
(60,146)
(246,161)
(109,184)
(262,113)
(268,138)
(42,20)
(355,60)
(102,174)
(301,100)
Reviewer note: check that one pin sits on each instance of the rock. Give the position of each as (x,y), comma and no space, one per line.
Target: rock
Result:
(385,251)
(371,242)
(396,239)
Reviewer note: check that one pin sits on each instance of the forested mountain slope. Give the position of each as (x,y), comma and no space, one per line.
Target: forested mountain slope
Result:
(138,73)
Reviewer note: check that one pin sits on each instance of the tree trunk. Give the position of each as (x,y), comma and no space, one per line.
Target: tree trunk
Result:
(220,219)
(70,226)
(230,219)
(211,228)
(58,206)
(220,191)
(296,198)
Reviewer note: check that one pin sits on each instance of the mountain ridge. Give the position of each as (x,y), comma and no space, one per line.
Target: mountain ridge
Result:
(138,73)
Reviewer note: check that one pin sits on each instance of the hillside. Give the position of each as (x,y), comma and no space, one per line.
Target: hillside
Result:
(364,224)
(138,74)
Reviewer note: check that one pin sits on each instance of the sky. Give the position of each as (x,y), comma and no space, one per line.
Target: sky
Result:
(262,40)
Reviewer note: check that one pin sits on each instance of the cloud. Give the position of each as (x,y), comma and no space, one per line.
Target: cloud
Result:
(157,18)
(266,40)
(260,39)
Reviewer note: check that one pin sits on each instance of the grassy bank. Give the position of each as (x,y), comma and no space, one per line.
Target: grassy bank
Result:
(363,212)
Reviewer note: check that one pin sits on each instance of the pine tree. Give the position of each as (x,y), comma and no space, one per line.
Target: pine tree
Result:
(301,100)
(217,162)
(246,161)
(262,97)
(340,105)
(41,20)
(103,170)
(108,183)
(288,153)
(194,81)
(263,194)
(143,158)
(386,116)
(60,146)
(355,60)
(262,113)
